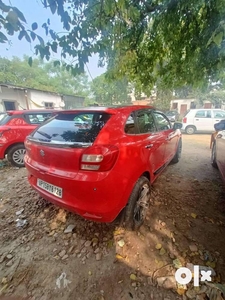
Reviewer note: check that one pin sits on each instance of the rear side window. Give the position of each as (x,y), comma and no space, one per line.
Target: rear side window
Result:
(145,121)
(38,118)
(219,114)
(130,125)
(203,114)
(161,122)
(72,128)
(4,118)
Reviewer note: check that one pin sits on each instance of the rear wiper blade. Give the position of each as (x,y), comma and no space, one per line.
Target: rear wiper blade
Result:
(44,134)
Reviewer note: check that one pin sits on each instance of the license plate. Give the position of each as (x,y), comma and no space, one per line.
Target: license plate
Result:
(52,189)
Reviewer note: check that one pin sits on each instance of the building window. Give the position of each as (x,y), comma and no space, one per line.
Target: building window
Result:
(48,105)
(174,105)
(9,105)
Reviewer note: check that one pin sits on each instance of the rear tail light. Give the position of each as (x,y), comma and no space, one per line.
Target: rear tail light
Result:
(27,144)
(99,158)
(184,120)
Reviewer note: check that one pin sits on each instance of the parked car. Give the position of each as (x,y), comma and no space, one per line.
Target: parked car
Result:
(172,115)
(14,127)
(106,167)
(218,148)
(201,120)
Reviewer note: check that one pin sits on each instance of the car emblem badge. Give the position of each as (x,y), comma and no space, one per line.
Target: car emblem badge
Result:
(42,153)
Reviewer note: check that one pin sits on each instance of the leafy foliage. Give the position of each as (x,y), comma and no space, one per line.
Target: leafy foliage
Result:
(177,41)
(108,92)
(43,76)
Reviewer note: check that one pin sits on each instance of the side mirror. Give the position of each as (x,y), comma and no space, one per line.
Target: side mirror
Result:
(177,125)
(220,126)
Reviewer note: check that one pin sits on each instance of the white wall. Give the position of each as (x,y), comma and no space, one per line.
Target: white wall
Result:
(37,99)
(180,102)
(9,94)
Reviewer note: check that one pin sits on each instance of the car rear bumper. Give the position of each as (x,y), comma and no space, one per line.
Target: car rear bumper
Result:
(95,200)
(2,151)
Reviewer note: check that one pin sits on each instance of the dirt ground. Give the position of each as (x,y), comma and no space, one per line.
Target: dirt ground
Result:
(185,224)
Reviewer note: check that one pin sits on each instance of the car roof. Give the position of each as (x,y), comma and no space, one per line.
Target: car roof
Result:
(28,111)
(108,109)
(193,109)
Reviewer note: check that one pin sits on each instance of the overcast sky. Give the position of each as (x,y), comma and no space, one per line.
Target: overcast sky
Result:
(34,12)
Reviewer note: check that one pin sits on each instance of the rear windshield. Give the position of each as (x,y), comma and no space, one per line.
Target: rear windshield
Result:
(72,128)
(3,118)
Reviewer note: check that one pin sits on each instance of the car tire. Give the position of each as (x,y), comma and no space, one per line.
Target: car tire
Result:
(138,204)
(177,155)
(213,156)
(190,129)
(15,155)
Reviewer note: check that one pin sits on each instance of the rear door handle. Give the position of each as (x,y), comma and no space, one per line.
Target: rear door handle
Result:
(149,146)
(196,119)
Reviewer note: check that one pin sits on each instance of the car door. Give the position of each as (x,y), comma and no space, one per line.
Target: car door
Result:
(203,120)
(169,135)
(220,152)
(153,141)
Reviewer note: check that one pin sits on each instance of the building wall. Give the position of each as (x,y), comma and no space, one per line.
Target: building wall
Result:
(181,104)
(15,95)
(39,99)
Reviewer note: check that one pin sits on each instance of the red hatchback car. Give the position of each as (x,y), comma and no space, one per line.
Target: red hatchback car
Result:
(15,125)
(99,161)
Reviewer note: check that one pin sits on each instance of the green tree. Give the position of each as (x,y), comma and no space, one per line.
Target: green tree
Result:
(43,76)
(179,41)
(109,92)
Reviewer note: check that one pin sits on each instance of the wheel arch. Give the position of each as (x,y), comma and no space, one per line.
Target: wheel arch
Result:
(12,145)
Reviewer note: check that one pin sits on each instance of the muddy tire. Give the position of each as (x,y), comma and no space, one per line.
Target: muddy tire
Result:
(213,156)
(138,204)
(177,155)
(16,154)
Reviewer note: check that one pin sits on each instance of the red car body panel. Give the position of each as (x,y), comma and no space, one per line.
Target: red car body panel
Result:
(101,195)
(16,129)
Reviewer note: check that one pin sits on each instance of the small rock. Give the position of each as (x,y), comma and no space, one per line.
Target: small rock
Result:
(9,263)
(158,246)
(71,249)
(69,229)
(62,253)
(9,256)
(134,284)
(177,263)
(19,212)
(87,243)
(65,256)
(97,250)
(4,280)
(98,256)
(168,282)
(133,277)
(162,251)
(121,243)
(191,294)
(194,216)
(193,248)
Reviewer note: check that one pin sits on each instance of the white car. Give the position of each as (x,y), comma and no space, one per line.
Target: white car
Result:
(202,120)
